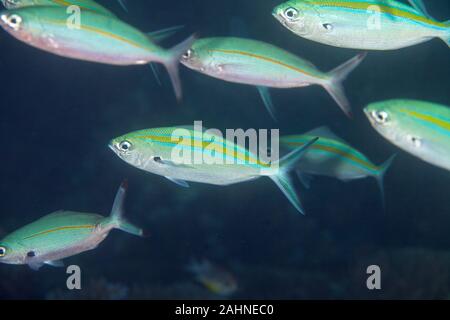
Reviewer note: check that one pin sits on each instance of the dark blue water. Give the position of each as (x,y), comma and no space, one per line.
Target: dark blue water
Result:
(57,116)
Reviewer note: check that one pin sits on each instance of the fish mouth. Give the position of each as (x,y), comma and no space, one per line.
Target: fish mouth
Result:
(277,16)
(369,116)
(111,146)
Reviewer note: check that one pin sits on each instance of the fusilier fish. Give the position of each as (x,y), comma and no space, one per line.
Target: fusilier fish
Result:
(98,38)
(63,234)
(418,127)
(89,5)
(331,156)
(264,65)
(168,152)
(365,24)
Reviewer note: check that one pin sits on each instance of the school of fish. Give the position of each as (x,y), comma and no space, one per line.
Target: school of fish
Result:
(419,128)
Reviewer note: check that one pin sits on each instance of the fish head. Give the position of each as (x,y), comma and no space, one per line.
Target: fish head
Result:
(129,148)
(145,149)
(301,17)
(12,252)
(198,57)
(21,23)
(389,119)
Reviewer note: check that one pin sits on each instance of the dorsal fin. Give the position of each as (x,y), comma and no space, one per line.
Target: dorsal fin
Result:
(325,132)
(420,6)
(163,34)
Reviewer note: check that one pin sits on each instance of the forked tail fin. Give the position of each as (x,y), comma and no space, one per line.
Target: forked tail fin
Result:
(283,179)
(117,213)
(335,85)
(172,62)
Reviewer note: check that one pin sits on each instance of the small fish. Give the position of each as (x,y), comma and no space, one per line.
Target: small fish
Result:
(98,38)
(88,5)
(331,156)
(265,66)
(63,234)
(367,24)
(418,127)
(216,279)
(163,151)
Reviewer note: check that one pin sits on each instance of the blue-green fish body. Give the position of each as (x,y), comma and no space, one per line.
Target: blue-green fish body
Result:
(418,127)
(182,154)
(62,234)
(331,156)
(84,5)
(261,64)
(365,24)
(97,38)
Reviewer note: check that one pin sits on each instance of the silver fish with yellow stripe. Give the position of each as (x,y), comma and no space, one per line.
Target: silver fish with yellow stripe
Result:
(333,157)
(63,234)
(418,127)
(364,24)
(95,38)
(265,66)
(184,154)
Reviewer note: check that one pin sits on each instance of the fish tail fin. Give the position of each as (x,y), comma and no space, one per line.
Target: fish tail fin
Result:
(380,177)
(337,76)
(117,218)
(283,179)
(172,62)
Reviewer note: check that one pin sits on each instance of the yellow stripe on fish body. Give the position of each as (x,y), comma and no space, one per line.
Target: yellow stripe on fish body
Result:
(428,118)
(228,150)
(102,33)
(268,59)
(384,8)
(60,229)
(337,151)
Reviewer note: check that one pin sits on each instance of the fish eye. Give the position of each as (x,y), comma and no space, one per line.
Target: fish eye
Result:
(125,145)
(380,116)
(291,13)
(157,159)
(2,252)
(188,54)
(13,21)
(328,26)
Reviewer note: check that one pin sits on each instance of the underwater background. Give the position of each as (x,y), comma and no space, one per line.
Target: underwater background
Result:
(58,115)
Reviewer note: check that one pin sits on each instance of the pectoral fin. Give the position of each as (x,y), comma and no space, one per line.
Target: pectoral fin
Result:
(163,34)
(267,99)
(181,183)
(155,71)
(420,6)
(171,163)
(55,263)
